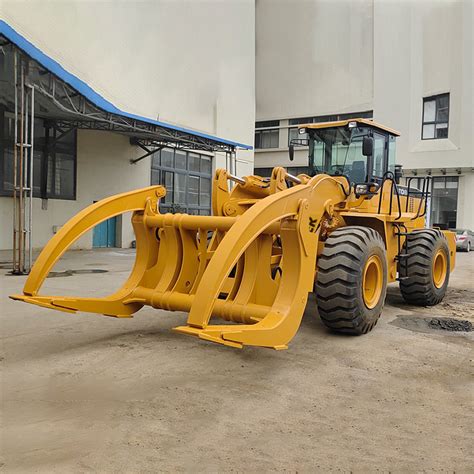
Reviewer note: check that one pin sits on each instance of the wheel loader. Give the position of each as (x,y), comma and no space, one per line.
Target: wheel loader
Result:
(343,231)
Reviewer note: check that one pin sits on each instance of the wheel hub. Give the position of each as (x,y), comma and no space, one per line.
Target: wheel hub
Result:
(372,281)
(440,268)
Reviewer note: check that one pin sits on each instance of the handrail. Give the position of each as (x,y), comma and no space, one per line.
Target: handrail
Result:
(390,176)
(424,195)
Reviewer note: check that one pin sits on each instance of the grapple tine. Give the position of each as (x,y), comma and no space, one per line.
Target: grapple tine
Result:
(85,220)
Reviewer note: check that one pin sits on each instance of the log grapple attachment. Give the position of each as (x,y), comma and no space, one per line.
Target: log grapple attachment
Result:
(251,264)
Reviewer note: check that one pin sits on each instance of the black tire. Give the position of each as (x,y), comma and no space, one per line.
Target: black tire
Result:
(417,275)
(339,281)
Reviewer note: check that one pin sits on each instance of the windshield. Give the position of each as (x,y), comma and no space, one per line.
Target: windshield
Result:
(459,231)
(338,151)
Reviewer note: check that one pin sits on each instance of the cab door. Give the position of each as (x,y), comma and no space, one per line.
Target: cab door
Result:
(380,157)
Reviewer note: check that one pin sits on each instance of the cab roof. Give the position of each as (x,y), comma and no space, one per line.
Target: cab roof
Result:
(343,123)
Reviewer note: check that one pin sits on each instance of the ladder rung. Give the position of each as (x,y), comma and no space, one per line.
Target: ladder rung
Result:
(25,145)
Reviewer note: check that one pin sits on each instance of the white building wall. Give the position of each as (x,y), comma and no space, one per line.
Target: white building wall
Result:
(103,169)
(187,62)
(319,58)
(173,61)
(432,55)
(465,214)
(313,57)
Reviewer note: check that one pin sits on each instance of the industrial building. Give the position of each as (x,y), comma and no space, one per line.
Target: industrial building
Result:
(120,102)
(124,99)
(407,65)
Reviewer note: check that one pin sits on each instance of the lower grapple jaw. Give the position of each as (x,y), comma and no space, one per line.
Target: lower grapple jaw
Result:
(43,301)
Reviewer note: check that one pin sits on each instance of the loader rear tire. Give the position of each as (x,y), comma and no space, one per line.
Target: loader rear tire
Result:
(424,276)
(351,283)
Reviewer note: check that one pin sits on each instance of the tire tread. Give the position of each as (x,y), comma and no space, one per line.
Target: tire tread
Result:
(338,279)
(416,286)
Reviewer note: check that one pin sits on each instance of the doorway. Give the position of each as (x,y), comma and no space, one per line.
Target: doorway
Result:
(444,201)
(104,233)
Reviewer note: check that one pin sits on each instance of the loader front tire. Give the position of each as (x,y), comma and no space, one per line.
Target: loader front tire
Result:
(424,275)
(351,282)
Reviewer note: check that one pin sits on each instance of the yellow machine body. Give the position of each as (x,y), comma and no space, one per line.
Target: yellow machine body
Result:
(252,263)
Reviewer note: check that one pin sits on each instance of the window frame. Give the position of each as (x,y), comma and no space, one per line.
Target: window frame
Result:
(7,143)
(199,209)
(444,180)
(297,121)
(384,137)
(436,121)
(43,184)
(266,127)
(266,172)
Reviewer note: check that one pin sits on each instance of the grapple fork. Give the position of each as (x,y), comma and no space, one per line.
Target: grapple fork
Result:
(220,266)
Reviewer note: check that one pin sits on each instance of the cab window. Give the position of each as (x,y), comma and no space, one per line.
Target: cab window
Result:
(391,153)
(338,151)
(379,155)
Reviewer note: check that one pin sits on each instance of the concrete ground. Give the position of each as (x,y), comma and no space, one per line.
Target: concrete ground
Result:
(84,393)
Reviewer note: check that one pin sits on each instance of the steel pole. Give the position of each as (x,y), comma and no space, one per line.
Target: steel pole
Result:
(21,203)
(15,168)
(30,217)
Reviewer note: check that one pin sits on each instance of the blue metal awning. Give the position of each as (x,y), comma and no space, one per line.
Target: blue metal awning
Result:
(90,110)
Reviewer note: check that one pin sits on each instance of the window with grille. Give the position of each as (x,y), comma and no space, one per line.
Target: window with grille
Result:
(293,132)
(187,178)
(295,171)
(266,135)
(54,160)
(435,117)
(264,172)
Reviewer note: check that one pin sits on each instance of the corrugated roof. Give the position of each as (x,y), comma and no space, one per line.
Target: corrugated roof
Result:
(90,94)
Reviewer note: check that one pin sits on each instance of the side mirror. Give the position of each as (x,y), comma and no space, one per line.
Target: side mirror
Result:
(291,152)
(367,146)
(398,173)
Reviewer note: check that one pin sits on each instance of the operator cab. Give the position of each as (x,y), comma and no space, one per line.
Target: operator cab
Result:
(359,149)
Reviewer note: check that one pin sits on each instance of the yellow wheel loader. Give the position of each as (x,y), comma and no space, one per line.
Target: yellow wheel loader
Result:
(344,231)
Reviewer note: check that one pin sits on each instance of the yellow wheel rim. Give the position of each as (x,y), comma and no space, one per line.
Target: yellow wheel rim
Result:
(372,281)
(440,268)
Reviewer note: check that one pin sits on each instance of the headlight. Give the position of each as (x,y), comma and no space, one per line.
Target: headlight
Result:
(301,131)
(361,189)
